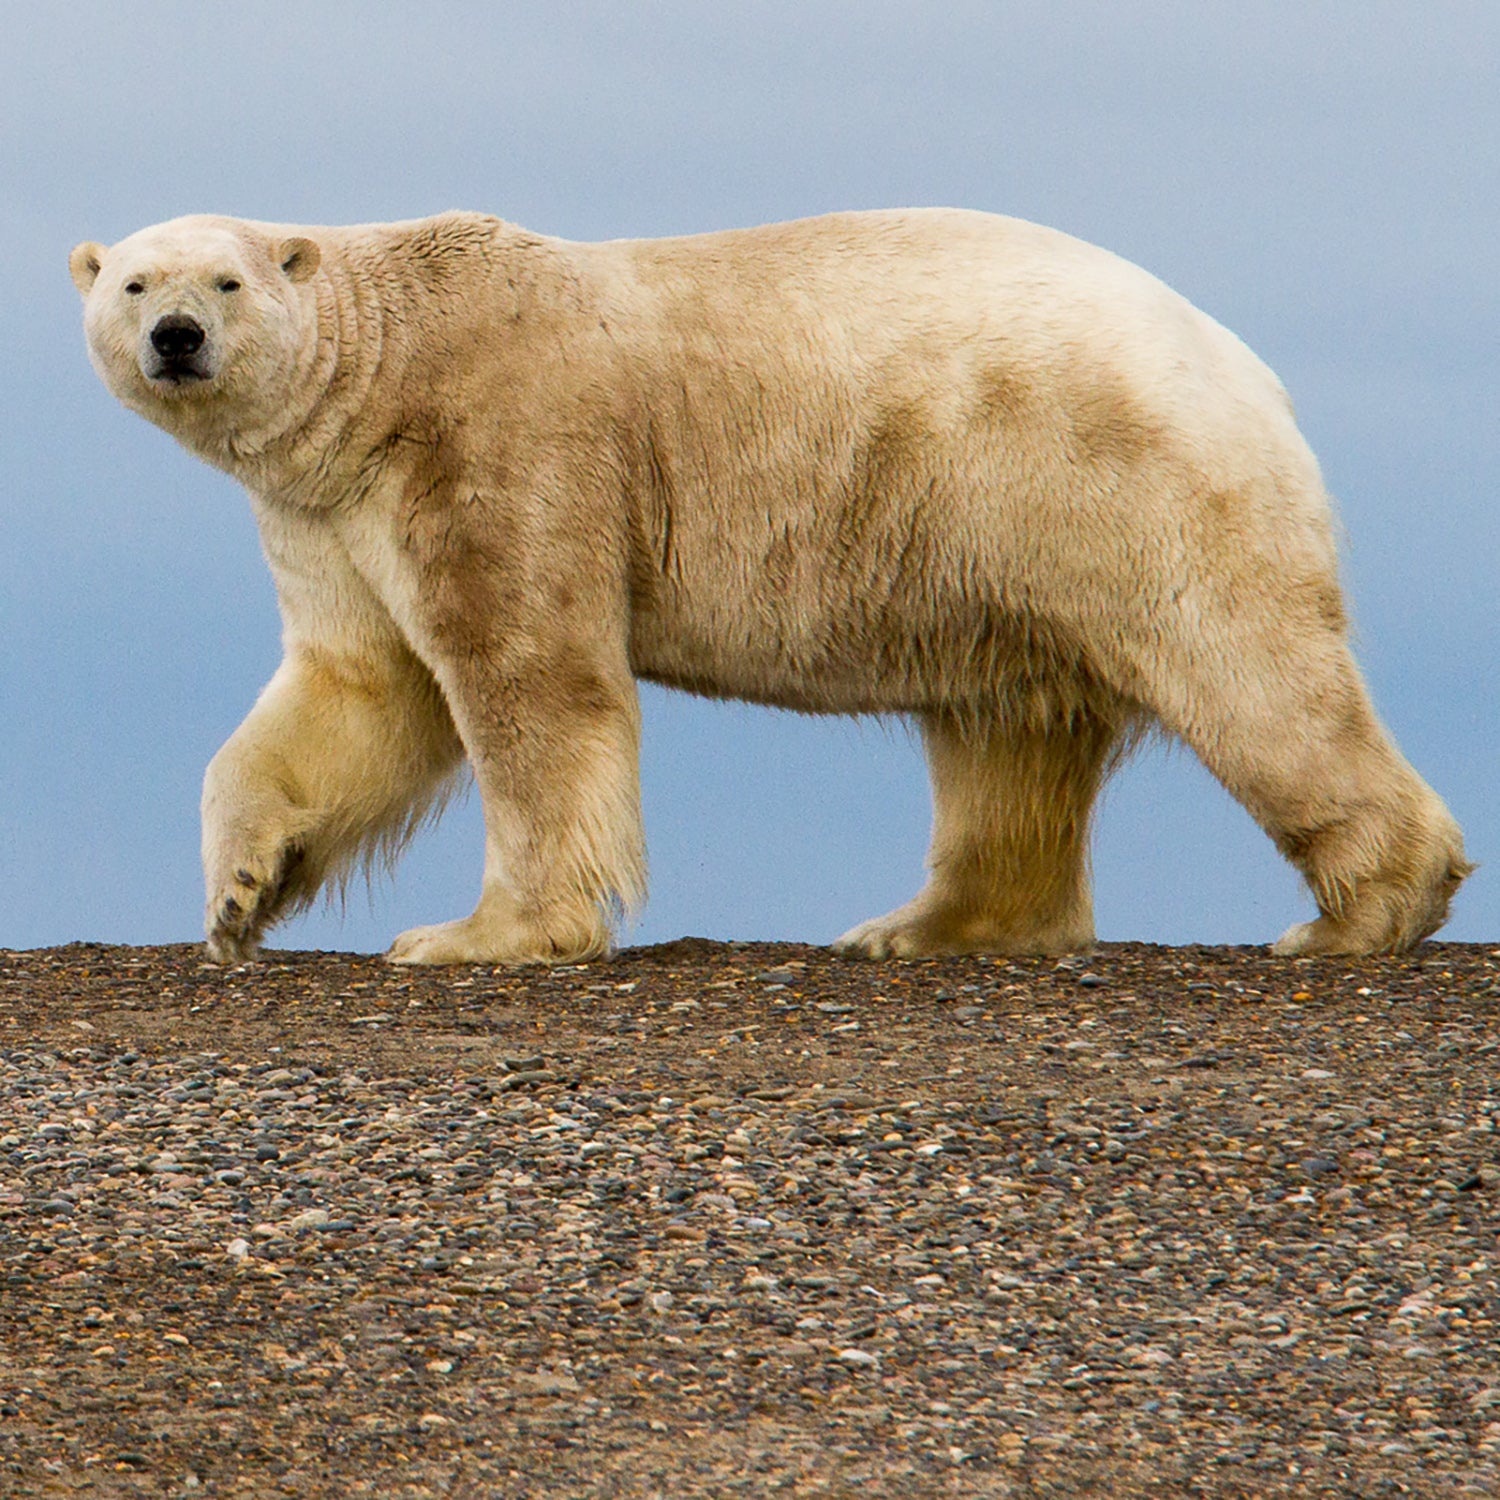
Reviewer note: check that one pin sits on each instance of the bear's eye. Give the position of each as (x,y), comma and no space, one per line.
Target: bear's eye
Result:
(229,284)
(135,288)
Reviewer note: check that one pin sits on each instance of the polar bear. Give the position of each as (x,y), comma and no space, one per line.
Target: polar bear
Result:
(932,463)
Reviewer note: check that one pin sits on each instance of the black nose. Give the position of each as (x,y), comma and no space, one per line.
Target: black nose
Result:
(176,336)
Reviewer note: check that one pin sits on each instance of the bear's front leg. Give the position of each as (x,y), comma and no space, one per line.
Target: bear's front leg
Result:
(253,851)
(339,758)
(554,740)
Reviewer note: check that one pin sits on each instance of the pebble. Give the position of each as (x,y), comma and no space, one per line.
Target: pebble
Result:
(544,1383)
(526,1079)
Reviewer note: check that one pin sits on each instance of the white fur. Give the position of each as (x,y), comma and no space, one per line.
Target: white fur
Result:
(929,463)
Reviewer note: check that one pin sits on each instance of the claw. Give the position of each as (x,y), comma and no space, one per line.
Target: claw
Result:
(238,920)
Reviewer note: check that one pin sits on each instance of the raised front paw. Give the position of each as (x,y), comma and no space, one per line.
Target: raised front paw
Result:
(244,899)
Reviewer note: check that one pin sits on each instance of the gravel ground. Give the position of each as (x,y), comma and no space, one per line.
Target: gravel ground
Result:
(720,1219)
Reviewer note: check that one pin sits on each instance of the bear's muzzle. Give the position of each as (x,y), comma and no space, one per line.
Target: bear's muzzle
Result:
(178,340)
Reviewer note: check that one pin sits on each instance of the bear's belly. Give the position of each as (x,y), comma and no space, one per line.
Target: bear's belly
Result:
(865,662)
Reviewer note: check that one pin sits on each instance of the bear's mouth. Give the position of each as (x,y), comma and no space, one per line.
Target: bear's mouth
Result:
(178,372)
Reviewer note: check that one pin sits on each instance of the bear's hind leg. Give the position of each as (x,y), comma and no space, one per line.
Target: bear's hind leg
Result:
(1009,861)
(1291,733)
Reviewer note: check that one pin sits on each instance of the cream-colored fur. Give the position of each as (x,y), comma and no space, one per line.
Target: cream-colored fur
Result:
(929,463)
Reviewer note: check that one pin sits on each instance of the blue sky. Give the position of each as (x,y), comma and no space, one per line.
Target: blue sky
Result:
(1325,179)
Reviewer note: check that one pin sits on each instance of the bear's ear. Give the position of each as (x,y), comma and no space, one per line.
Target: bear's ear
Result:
(299,258)
(84,263)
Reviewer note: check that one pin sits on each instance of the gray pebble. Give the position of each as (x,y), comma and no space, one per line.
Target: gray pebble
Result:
(528,1079)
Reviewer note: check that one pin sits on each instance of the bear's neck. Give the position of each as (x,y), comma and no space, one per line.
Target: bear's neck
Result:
(309,452)
(389,313)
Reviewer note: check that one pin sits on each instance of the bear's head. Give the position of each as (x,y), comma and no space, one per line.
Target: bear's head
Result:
(200,324)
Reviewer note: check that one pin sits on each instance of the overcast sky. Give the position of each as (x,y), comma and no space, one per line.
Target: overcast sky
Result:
(1322,178)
